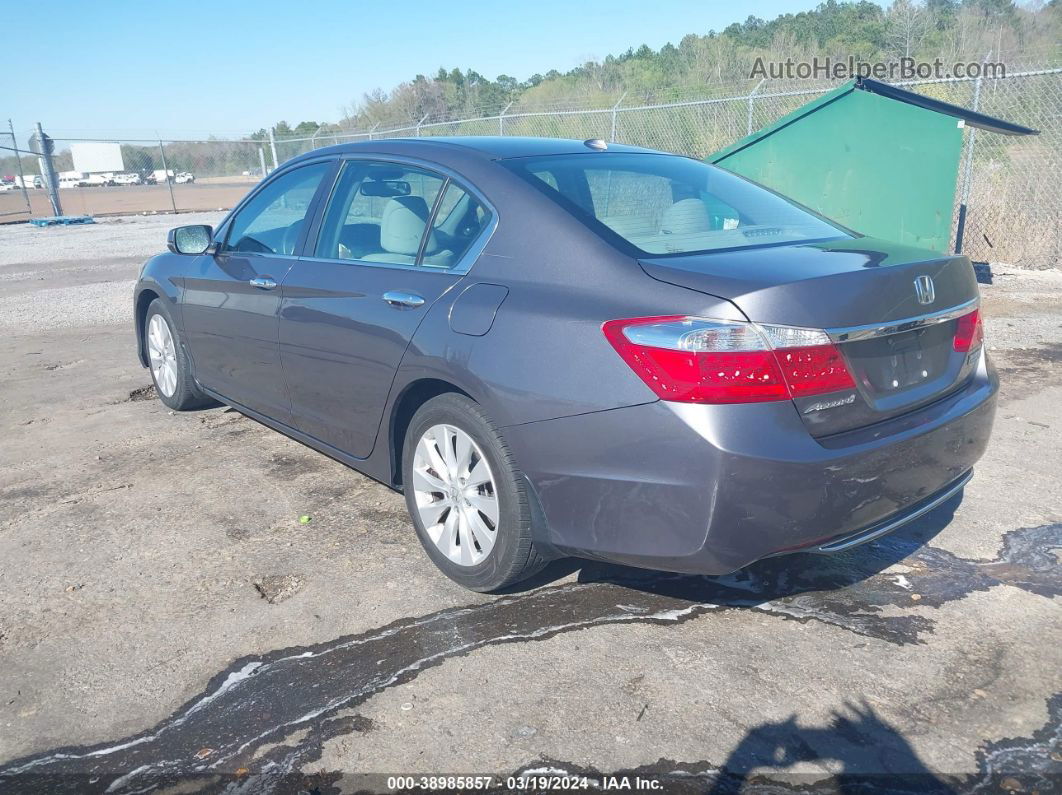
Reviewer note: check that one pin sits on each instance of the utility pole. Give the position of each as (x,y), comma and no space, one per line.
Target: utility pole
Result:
(169,181)
(273,148)
(51,182)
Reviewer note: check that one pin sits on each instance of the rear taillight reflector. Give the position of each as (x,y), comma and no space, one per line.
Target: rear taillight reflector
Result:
(969,332)
(814,370)
(695,360)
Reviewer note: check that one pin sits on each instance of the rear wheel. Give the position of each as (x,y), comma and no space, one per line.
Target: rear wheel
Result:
(168,362)
(468,501)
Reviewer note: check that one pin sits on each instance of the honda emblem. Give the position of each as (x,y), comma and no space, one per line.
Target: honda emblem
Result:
(924,289)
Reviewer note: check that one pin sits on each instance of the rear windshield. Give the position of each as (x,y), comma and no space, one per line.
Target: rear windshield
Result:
(664,204)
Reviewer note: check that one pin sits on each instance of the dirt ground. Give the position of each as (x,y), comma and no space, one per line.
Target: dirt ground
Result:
(165,616)
(194,197)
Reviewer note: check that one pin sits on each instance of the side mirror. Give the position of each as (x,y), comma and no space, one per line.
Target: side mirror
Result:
(194,239)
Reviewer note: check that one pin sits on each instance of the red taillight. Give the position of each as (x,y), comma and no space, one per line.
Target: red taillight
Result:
(969,332)
(814,370)
(694,360)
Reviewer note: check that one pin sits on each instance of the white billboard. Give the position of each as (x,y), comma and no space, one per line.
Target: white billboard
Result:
(93,157)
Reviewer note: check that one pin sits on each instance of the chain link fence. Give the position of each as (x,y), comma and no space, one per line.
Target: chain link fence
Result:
(1011,187)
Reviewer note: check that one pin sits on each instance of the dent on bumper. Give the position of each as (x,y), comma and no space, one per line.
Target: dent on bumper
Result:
(709,489)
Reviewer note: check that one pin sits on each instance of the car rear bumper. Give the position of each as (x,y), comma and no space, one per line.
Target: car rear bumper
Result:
(709,489)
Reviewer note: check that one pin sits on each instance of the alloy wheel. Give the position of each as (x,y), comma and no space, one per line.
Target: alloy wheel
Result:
(162,352)
(455,494)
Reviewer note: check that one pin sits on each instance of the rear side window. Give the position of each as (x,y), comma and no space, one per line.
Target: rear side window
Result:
(459,221)
(669,205)
(271,222)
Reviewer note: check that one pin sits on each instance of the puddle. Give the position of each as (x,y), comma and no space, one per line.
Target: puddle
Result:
(262,700)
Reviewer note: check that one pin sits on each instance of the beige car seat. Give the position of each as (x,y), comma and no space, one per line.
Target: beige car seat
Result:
(401,229)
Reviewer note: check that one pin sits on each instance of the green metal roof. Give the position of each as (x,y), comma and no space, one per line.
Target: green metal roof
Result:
(970,117)
(784,121)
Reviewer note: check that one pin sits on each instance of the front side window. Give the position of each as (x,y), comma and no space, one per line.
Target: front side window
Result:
(271,222)
(669,205)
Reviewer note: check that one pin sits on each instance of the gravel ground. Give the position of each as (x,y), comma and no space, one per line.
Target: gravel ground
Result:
(95,266)
(164,613)
(108,238)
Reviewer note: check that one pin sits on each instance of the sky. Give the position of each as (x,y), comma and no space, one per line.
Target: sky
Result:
(184,69)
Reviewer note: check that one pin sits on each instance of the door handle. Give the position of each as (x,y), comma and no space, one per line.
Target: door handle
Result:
(401,300)
(264,282)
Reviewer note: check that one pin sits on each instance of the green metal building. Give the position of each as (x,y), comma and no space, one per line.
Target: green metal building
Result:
(878,159)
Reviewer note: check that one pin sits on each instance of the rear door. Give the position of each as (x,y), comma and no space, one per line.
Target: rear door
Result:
(230,305)
(392,239)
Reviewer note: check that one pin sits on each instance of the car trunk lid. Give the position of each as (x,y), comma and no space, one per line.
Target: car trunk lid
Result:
(896,336)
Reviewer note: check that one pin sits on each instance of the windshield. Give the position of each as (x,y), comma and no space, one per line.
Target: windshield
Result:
(665,204)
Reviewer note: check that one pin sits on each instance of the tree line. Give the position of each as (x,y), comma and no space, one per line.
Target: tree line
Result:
(699,65)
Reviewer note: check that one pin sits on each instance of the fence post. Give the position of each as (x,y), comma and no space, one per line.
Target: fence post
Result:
(44,145)
(967,170)
(752,97)
(501,119)
(273,149)
(373,130)
(166,173)
(18,160)
(422,118)
(261,159)
(615,110)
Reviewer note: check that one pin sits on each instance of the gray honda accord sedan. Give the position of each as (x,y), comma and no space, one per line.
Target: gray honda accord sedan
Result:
(577,348)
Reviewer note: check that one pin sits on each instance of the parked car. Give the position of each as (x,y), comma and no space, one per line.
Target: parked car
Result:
(183,178)
(9,186)
(70,181)
(130,178)
(567,348)
(93,181)
(31,180)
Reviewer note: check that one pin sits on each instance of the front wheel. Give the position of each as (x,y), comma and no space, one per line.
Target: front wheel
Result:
(468,501)
(170,368)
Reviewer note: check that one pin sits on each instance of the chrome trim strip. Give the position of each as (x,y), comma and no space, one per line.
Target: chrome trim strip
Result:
(899,326)
(876,532)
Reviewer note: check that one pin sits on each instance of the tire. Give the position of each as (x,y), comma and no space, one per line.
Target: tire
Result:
(171,372)
(512,555)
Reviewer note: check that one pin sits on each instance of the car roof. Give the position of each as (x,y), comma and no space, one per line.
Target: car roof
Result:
(492,147)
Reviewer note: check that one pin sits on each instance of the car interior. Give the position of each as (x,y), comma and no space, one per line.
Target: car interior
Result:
(384,211)
(662,213)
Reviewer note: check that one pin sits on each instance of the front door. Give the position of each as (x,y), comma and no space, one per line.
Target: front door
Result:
(392,240)
(230,305)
